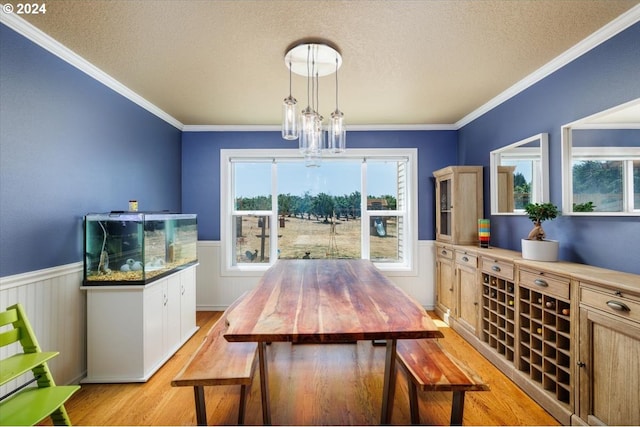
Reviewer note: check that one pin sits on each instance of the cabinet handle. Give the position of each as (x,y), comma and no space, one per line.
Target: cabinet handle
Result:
(465,259)
(618,305)
(443,252)
(495,268)
(164,300)
(581,364)
(451,289)
(181,289)
(541,282)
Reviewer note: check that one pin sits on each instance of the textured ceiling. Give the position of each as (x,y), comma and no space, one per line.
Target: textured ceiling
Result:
(405,62)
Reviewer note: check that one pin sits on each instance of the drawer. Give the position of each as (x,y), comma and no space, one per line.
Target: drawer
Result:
(463,258)
(609,301)
(444,252)
(546,283)
(498,268)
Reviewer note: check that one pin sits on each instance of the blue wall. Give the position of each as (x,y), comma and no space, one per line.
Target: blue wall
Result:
(201,167)
(604,77)
(69,146)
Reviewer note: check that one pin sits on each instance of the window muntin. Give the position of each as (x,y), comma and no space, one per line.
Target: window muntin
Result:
(336,186)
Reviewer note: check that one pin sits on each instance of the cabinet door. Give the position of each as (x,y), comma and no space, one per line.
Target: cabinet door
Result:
(445,283)
(467,296)
(188,302)
(171,320)
(444,213)
(609,370)
(154,302)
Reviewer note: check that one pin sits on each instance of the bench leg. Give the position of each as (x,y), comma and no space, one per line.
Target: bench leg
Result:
(244,391)
(414,409)
(264,383)
(201,409)
(389,387)
(457,408)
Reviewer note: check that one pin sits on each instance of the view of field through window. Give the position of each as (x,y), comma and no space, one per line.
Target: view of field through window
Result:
(319,211)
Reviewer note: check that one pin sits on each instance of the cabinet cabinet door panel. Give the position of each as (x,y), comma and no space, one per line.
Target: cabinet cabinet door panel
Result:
(445,283)
(172,335)
(188,303)
(612,370)
(154,302)
(468,301)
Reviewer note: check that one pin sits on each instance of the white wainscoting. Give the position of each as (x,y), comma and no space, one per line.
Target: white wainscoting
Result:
(56,306)
(216,291)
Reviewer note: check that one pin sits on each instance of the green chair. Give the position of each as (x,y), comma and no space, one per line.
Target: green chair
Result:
(27,404)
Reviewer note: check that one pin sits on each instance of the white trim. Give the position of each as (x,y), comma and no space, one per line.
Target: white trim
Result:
(614,27)
(350,128)
(43,40)
(22,279)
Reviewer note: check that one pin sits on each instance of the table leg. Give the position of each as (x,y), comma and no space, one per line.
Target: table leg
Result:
(201,409)
(264,383)
(389,387)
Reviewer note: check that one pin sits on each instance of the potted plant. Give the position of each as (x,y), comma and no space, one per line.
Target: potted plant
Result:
(535,246)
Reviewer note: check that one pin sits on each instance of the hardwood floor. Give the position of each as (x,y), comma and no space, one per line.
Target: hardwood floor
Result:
(338,384)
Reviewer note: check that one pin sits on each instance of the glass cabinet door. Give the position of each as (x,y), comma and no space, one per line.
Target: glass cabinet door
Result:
(445,207)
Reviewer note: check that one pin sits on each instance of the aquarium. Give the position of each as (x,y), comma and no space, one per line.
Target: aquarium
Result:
(135,248)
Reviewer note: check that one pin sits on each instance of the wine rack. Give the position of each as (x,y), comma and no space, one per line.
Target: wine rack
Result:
(498,314)
(544,340)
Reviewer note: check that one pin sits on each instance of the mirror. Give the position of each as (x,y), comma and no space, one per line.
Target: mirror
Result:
(601,163)
(519,175)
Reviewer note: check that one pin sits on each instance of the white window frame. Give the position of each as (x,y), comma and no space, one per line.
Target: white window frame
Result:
(410,239)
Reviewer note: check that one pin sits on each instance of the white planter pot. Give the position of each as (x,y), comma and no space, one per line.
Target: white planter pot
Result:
(540,250)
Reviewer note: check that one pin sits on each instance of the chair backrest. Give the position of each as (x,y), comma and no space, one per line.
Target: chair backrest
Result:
(22,331)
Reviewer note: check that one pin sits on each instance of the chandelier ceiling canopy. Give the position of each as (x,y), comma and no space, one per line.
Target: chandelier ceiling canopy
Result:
(313,58)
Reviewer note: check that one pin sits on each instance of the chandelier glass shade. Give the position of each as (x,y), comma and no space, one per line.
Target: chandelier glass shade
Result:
(290,115)
(313,59)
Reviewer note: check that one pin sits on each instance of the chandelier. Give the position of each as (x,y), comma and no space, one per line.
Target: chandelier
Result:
(313,59)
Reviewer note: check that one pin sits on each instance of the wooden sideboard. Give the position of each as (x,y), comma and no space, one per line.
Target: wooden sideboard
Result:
(568,334)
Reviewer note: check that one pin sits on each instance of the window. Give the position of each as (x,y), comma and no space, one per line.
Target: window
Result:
(356,205)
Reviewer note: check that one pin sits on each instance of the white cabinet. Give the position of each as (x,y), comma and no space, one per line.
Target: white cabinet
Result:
(133,330)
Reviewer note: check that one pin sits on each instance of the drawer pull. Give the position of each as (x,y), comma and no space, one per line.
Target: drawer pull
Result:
(465,259)
(618,306)
(443,252)
(495,268)
(541,282)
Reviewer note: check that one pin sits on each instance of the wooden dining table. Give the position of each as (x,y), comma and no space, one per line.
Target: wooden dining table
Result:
(328,301)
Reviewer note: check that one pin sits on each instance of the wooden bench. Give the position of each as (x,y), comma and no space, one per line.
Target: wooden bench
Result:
(219,362)
(429,367)
(25,405)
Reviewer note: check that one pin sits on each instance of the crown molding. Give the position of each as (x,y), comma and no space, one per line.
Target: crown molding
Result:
(43,40)
(277,128)
(614,27)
